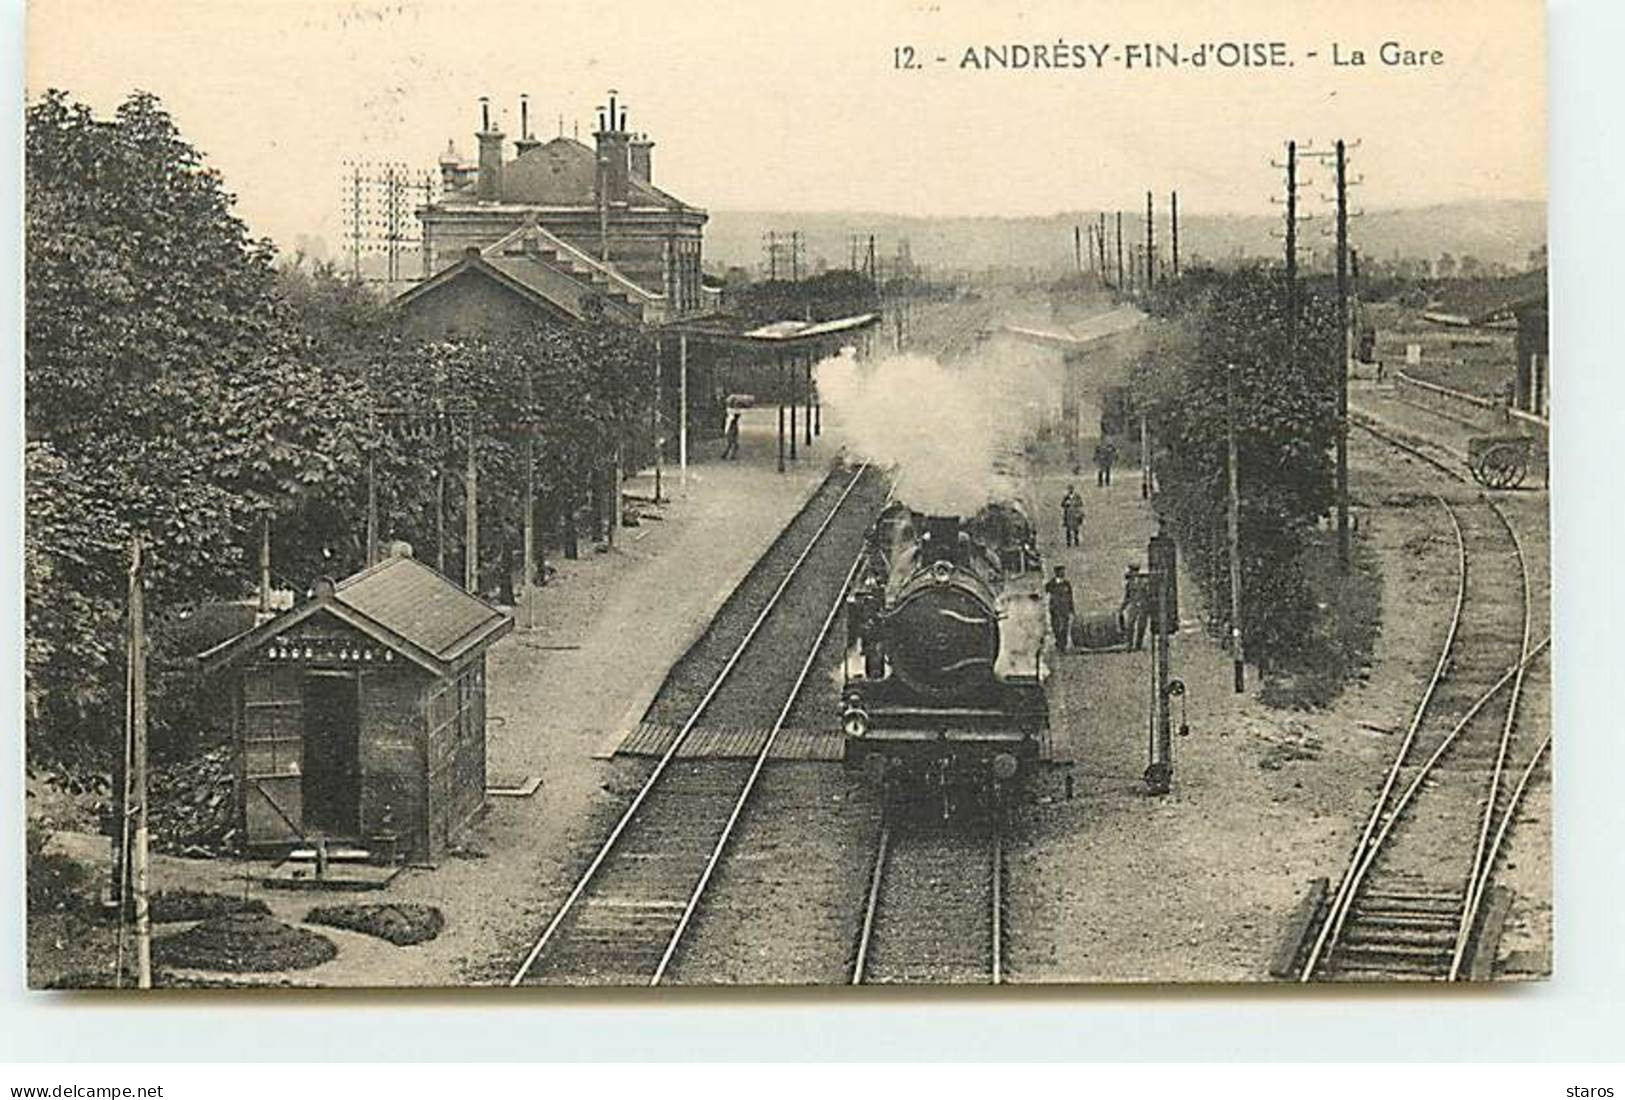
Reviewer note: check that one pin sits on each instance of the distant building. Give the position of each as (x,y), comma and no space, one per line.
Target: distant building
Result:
(561,230)
(1518,302)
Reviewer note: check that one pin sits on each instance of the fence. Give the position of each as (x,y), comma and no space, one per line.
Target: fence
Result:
(1482,415)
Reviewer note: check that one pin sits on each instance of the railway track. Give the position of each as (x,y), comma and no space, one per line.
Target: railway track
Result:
(624,919)
(934,913)
(1409,902)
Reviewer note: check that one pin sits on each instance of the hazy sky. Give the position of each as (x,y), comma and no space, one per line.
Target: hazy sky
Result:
(798,106)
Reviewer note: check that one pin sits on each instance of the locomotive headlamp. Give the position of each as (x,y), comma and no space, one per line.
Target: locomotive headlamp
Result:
(855,722)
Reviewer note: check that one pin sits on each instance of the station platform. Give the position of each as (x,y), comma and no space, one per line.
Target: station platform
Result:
(610,625)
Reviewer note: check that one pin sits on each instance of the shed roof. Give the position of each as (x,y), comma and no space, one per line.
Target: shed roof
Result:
(723,328)
(401,603)
(1476,302)
(412,600)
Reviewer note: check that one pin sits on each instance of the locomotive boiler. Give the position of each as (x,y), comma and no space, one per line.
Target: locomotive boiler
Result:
(946,650)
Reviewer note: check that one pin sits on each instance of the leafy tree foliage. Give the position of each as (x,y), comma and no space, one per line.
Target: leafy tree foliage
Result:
(169,396)
(184,389)
(1230,351)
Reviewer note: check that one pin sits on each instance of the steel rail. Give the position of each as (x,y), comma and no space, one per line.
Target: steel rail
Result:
(1366,855)
(1332,926)
(1410,449)
(998,906)
(755,773)
(1476,878)
(1369,856)
(1486,853)
(1512,809)
(682,736)
(860,965)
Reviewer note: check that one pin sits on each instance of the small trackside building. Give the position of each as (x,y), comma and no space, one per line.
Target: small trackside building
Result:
(359,716)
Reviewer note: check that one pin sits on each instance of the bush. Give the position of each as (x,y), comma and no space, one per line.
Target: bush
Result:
(244,942)
(180,905)
(55,881)
(402,923)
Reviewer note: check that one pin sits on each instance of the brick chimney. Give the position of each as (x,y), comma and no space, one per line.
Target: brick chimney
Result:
(526,141)
(642,148)
(453,174)
(488,185)
(614,159)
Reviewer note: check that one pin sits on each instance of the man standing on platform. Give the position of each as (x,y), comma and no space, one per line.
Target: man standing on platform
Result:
(1071,515)
(1105,455)
(1059,590)
(1135,610)
(732,449)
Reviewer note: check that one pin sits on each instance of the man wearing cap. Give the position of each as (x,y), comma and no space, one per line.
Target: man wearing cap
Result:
(1071,514)
(1059,590)
(1135,610)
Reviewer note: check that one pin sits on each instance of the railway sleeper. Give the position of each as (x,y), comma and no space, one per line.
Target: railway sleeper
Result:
(1395,936)
(1397,951)
(1402,919)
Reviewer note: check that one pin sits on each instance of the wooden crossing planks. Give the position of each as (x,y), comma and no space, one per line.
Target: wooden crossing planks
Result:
(732,743)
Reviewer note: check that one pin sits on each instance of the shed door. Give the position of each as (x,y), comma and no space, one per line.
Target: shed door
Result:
(332,771)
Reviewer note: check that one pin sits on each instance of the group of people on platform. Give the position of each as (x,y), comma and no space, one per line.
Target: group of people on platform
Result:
(1139,610)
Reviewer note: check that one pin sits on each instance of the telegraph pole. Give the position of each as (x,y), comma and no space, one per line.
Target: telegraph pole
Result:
(1100,243)
(780,357)
(137,807)
(265,563)
(1173,226)
(1150,245)
(1145,459)
(682,411)
(372,506)
(1233,525)
(1119,250)
(471,518)
(772,244)
(1077,248)
(660,443)
(1292,232)
(1343,549)
(528,566)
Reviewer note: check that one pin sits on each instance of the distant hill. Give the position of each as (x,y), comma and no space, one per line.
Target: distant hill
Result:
(1495,232)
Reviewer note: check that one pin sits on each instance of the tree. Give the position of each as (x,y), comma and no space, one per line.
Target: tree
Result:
(169,395)
(1229,352)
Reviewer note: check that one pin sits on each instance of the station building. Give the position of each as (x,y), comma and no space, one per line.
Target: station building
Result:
(559,231)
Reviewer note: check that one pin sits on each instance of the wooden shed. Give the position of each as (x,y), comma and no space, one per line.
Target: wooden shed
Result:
(359,715)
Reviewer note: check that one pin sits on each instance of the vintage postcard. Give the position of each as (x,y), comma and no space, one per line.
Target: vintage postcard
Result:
(786,494)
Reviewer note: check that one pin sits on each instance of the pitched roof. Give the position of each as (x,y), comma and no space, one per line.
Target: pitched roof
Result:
(562,172)
(550,273)
(409,598)
(399,602)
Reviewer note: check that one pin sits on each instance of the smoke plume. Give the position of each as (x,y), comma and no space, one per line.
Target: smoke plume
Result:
(947,429)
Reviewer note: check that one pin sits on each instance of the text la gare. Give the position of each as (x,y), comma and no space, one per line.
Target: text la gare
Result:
(1392,54)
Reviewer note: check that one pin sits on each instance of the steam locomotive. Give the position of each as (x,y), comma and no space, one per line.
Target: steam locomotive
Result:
(945,663)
